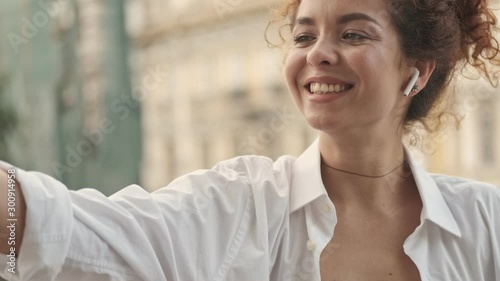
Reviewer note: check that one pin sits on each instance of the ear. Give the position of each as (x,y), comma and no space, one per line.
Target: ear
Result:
(426,69)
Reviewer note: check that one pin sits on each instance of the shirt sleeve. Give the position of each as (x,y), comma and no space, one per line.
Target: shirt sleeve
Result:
(493,215)
(185,231)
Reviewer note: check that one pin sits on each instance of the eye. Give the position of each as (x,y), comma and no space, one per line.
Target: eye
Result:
(302,39)
(353,36)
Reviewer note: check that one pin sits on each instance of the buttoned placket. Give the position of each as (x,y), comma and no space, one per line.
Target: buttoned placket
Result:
(321,219)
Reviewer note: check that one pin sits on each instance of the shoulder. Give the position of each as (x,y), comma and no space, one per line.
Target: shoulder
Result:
(465,188)
(251,192)
(243,178)
(257,169)
(475,207)
(469,196)
(266,179)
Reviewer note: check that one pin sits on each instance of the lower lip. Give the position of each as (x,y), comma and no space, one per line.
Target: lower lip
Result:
(325,98)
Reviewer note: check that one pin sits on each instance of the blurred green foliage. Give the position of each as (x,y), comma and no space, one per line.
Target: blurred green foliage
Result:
(8,118)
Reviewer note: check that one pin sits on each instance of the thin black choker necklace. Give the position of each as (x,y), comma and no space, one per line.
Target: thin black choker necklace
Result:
(361,175)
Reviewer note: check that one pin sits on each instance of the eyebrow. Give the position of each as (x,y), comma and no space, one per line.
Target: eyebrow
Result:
(341,20)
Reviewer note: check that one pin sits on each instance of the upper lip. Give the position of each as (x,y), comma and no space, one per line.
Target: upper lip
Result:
(325,80)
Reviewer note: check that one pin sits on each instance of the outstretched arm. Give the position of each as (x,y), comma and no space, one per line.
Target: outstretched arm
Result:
(185,231)
(12,213)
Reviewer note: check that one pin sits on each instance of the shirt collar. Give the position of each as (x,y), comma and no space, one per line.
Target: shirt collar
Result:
(434,208)
(307,185)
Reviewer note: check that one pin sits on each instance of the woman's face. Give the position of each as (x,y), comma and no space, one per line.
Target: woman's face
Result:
(344,69)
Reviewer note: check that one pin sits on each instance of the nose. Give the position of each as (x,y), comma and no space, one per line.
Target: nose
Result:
(322,53)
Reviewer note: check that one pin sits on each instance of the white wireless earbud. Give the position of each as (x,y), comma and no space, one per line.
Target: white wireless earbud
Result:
(413,80)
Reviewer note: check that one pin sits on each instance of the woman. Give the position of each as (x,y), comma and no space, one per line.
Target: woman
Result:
(353,206)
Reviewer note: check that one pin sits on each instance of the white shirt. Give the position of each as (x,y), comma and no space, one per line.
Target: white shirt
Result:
(247,219)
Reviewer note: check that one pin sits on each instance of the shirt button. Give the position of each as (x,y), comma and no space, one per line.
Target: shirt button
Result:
(311,245)
(326,208)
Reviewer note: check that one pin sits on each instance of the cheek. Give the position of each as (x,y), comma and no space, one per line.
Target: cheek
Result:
(366,58)
(293,65)
(375,68)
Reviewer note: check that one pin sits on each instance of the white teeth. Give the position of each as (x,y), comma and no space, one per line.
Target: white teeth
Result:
(319,88)
(324,87)
(315,87)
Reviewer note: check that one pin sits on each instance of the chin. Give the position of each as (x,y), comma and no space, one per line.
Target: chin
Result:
(321,122)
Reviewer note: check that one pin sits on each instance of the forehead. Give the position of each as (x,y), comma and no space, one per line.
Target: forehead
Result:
(332,9)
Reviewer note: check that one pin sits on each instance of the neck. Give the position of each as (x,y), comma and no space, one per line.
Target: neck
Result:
(368,169)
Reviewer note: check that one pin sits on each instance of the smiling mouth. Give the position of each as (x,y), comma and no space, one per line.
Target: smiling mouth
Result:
(323,89)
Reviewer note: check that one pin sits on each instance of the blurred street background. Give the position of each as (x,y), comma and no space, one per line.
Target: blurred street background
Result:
(107,93)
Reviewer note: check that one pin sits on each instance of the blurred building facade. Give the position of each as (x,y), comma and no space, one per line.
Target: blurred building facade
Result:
(225,89)
(224,94)
(473,151)
(174,86)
